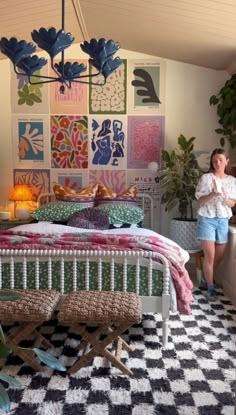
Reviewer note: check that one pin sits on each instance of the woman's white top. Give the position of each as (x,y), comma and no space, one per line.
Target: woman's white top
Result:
(216,208)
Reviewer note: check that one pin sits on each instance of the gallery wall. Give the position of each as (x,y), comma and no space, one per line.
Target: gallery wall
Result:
(58,138)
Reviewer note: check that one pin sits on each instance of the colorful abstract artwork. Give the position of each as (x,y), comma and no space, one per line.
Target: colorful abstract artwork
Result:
(111,97)
(75,179)
(146,86)
(30,142)
(37,180)
(114,179)
(146,138)
(107,142)
(73,101)
(69,141)
(27,98)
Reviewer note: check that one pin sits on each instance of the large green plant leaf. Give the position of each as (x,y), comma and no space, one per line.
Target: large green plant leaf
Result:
(13,383)
(213,100)
(225,101)
(4,350)
(4,399)
(179,176)
(49,360)
(2,336)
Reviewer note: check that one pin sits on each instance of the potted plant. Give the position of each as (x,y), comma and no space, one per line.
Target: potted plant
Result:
(178,179)
(226,111)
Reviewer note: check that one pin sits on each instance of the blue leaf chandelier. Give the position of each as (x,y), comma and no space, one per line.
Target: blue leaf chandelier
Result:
(55,41)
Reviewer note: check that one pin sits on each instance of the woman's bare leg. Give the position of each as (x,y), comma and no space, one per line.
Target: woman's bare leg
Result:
(219,254)
(208,248)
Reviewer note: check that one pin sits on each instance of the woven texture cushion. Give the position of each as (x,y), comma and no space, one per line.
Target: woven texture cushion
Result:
(90,218)
(101,306)
(35,305)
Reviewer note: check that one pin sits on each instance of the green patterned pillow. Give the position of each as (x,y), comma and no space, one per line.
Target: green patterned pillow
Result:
(120,213)
(59,211)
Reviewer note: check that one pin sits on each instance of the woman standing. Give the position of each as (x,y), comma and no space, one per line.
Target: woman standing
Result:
(216,193)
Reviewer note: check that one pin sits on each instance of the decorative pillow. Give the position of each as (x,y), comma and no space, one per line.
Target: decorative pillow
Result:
(90,218)
(59,211)
(128,201)
(104,192)
(73,195)
(123,214)
(132,191)
(106,196)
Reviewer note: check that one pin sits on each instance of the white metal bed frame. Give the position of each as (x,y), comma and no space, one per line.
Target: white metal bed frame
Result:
(150,302)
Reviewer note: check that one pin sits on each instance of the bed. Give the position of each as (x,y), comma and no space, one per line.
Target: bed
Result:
(46,255)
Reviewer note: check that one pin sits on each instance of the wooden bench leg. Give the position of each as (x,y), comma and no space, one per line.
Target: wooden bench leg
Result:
(99,346)
(22,332)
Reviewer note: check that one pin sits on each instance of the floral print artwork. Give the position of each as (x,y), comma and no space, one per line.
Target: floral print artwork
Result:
(29,94)
(73,182)
(69,141)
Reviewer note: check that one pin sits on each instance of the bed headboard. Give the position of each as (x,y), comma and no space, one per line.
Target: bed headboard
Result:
(145,201)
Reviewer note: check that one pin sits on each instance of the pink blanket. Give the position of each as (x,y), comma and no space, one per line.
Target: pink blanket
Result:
(11,239)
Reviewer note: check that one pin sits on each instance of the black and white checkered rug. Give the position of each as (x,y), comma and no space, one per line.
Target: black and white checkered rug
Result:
(194,375)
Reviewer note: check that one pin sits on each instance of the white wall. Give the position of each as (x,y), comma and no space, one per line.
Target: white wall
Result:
(188,89)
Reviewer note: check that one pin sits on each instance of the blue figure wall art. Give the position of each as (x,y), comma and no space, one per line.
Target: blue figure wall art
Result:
(108,143)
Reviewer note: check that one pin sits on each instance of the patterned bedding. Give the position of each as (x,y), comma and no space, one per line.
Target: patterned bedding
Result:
(176,257)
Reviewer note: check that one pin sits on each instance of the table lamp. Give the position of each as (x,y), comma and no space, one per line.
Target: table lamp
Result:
(20,194)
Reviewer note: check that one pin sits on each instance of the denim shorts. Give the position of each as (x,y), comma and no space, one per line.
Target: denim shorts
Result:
(212,229)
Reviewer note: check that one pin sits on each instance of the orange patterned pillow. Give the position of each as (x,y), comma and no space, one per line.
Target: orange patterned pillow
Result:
(132,191)
(105,192)
(72,195)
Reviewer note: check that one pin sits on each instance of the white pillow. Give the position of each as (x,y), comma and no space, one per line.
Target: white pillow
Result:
(47,228)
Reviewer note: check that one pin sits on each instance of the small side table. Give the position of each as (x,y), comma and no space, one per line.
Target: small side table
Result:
(197,254)
(11,223)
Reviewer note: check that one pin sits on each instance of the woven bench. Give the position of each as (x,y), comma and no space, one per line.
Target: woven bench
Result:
(113,312)
(30,311)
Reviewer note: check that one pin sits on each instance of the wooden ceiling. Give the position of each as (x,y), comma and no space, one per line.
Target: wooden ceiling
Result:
(199,32)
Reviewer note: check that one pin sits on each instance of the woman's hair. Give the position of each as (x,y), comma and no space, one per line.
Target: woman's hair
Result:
(214,152)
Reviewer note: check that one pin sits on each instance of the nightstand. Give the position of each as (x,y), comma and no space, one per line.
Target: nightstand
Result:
(11,223)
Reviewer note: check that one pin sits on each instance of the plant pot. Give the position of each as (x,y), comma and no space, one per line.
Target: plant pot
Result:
(183,232)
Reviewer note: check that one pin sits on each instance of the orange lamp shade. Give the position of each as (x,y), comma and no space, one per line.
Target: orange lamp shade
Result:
(20,193)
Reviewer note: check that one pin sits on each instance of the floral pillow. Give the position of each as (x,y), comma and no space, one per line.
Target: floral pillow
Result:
(59,211)
(73,195)
(123,214)
(90,218)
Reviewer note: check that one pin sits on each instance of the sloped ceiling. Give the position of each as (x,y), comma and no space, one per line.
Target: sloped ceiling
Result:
(199,32)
